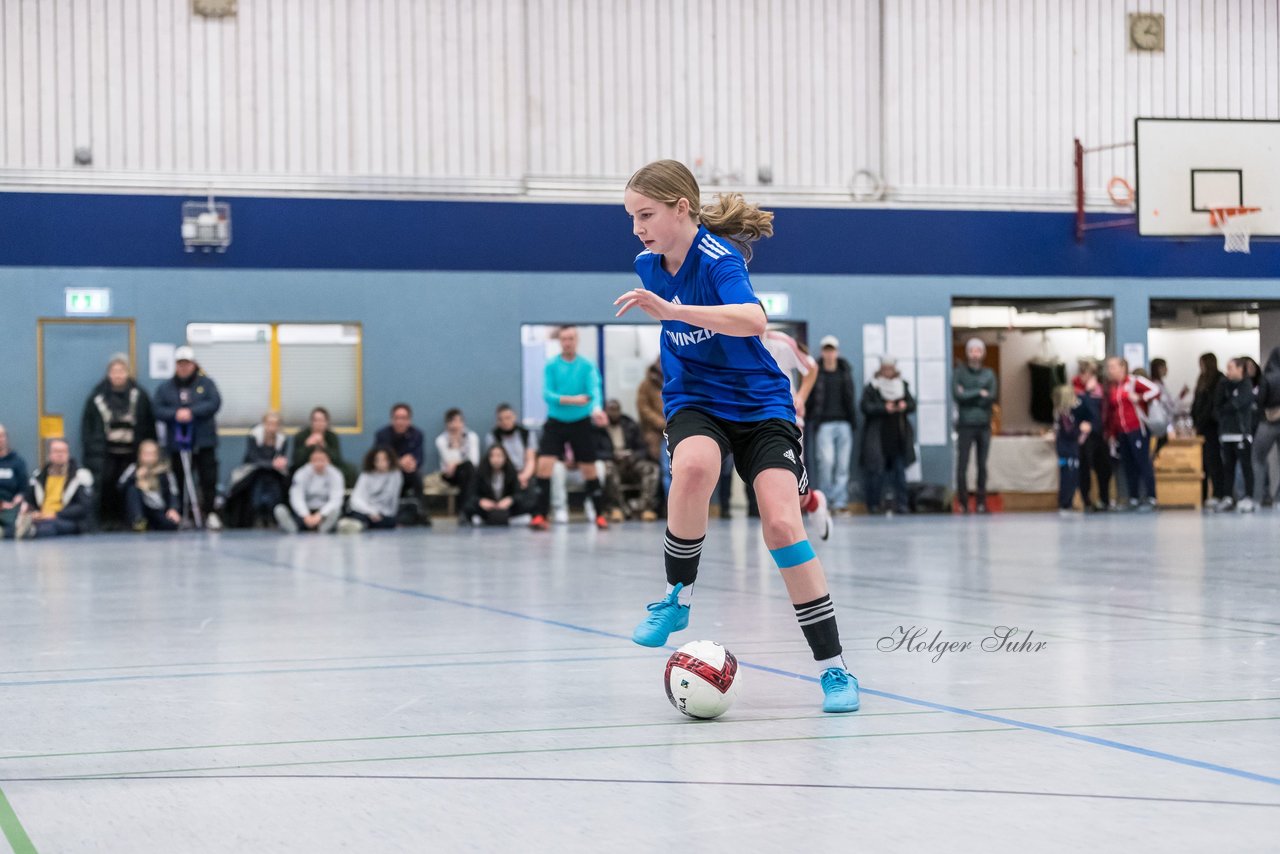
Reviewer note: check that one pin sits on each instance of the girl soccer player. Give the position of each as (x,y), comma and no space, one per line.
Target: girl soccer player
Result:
(723,394)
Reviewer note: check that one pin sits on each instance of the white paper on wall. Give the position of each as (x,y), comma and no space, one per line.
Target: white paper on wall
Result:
(915,473)
(872,339)
(931,423)
(933,381)
(900,337)
(907,368)
(1135,355)
(870,364)
(931,340)
(160,357)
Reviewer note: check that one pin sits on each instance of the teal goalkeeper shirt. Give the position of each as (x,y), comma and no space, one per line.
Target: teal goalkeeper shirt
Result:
(566,379)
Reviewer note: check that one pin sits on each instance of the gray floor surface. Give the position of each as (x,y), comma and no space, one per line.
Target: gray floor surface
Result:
(476,690)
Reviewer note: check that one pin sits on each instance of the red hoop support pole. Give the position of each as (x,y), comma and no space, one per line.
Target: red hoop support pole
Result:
(1079,157)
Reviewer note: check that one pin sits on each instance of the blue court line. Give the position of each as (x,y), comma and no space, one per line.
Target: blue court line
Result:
(902,698)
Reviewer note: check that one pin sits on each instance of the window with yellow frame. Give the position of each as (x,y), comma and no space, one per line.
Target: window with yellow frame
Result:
(289,368)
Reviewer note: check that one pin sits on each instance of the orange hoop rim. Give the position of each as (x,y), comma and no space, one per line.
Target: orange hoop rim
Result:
(1218,216)
(1115,184)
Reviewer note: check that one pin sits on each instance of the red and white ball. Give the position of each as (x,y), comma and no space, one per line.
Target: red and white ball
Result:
(702,679)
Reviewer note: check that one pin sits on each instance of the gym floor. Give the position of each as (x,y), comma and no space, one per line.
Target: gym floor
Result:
(477,690)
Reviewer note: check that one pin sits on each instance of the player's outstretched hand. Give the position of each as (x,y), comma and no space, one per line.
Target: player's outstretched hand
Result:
(647,301)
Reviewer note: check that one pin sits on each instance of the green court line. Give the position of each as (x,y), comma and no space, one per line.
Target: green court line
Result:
(582,748)
(12,828)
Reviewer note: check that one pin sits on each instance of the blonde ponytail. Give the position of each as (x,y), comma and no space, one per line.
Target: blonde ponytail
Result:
(738,221)
(730,216)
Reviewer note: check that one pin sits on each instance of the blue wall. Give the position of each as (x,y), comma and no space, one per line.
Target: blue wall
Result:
(442,288)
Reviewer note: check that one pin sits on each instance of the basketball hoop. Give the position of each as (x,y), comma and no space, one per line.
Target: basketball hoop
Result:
(1234,225)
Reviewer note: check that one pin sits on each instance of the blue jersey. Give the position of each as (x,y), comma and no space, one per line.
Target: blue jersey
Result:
(732,378)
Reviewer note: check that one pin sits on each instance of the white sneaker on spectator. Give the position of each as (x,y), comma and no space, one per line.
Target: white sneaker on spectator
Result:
(328,523)
(285,519)
(561,517)
(213,523)
(25,527)
(1226,505)
(1246,505)
(350,526)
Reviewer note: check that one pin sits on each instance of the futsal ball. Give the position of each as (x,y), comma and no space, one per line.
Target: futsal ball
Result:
(702,679)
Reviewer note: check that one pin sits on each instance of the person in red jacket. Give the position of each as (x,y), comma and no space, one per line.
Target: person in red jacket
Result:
(1125,414)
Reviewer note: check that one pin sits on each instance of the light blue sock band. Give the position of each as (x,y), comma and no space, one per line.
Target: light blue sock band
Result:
(793,555)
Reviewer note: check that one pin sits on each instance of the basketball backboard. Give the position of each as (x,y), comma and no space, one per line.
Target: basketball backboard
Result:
(1188,167)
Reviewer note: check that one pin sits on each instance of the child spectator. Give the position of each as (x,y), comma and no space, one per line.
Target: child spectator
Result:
(13,482)
(376,498)
(1235,407)
(261,480)
(317,432)
(406,442)
(493,496)
(315,499)
(1128,398)
(1071,429)
(59,499)
(459,450)
(151,492)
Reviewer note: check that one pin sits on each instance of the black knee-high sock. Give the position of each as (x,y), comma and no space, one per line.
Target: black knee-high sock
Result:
(542,504)
(818,622)
(596,494)
(682,558)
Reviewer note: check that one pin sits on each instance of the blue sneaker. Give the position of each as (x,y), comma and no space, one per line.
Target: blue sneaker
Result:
(841,689)
(665,617)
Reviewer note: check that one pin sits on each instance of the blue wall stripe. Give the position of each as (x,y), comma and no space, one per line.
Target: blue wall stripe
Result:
(106,230)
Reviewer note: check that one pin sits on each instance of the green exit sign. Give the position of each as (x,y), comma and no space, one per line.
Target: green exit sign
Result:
(775,304)
(88,301)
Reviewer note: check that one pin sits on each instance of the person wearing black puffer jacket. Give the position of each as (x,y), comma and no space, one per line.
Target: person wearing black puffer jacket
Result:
(117,418)
(1236,407)
(1204,419)
(188,405)
(1268,424)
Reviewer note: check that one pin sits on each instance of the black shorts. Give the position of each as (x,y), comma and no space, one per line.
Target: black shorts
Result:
(579,435)
(756,445)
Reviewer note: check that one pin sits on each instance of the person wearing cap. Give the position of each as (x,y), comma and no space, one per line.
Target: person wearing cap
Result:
(117,418)
(187,404)
(975,393)
(888,438)
(832,412)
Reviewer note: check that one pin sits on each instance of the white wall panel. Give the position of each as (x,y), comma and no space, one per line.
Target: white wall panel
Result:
(1037,73)
(951,101)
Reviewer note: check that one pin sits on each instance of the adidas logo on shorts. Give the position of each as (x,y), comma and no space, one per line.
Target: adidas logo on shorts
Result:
(790,455)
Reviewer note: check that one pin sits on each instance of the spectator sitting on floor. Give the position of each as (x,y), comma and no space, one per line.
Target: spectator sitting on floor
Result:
(318,432)
(519,441)
(629,466)
(13,483)
(117,417)
(376,498)
(261,480)
(151,492)
(59,499)
(188,405)
(406,442)
(315,498)
(494,495)
(459,450)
